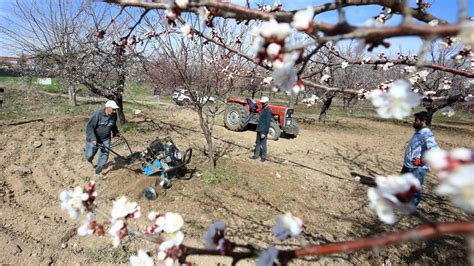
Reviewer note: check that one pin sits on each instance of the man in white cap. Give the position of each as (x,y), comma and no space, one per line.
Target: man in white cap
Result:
(101,127)
(262,130)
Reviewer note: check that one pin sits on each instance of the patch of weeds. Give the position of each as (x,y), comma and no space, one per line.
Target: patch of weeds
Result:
(224,172)
(108,254)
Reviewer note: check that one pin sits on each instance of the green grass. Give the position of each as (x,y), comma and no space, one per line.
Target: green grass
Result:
(5,79)
(224,173)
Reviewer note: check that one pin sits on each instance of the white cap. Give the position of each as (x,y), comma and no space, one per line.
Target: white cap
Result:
(111,104)
(264,99)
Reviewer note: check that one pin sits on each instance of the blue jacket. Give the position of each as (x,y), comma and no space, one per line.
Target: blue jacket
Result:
(264,120)
(101,126)
(420,142)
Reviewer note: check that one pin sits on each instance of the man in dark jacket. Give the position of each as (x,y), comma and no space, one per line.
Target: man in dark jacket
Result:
(262,130)
(99,130)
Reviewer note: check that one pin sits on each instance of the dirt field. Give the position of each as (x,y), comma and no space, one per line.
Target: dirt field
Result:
(312,176)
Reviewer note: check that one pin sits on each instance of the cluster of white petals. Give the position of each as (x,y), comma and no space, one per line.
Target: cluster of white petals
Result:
(268,257)
(186,31)
(408,69)
(170,222)
(397,102)
(114,231)
(284,72)
(310,101)
(73,202)
(344,64)
(142,259)
(455,171)
(419,77)
(446,83)
(287,226)
(86,228)
(123,208)
(303,19)
(393,193)
(214,234)
(272,30)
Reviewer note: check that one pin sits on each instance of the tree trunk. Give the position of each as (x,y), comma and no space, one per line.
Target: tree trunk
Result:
(72,93)
(208,136)
(325,108)
(118,92)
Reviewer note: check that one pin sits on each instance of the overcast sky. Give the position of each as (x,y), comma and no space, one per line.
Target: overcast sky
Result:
(445,9)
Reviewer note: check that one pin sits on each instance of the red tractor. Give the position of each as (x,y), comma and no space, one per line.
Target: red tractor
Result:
(241,112)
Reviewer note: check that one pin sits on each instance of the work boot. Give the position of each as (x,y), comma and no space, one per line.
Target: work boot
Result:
(253,157)
(99,176)
(263,159)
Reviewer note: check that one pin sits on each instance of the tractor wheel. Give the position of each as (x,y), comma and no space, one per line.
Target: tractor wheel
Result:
(275,131)
(186,102)
(235,117)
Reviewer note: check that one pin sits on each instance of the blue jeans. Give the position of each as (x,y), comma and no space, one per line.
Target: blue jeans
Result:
(419,173)
(261,144)
(91,150)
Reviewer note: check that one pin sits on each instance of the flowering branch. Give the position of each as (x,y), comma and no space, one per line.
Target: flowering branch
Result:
(423,232)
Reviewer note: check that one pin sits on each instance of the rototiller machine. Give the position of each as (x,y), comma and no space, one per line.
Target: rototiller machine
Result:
(161,158)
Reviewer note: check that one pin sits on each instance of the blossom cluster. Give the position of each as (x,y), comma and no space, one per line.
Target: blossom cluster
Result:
(310,101)
(393,194)
(455,170)
(397,102)
(166,229)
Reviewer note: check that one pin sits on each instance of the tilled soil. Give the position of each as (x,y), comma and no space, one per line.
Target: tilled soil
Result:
(321,176)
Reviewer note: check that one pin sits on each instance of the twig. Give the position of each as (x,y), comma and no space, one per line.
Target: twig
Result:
(23,122)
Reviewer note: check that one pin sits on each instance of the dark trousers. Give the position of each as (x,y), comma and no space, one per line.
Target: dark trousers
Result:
(261,146)
(419,173)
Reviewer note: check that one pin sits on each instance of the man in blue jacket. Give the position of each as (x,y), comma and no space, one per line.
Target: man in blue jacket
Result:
(101,127)
(421,141)
(262,130)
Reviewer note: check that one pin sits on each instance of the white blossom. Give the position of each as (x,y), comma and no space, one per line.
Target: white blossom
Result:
(268,257)
(387,66)
(185,30)
(273,50)
(170,223)
(284,74)
(182,3)
(459,187)
(397,102)
(344,64)
(302,19)
(171,240)
(142,259)
(209,236)
(123,208)
(325,78)
(287,226)
(86,227)
(274,29)
(437,159)
(267,80)
(447,111)
(114,231)
(72,202)
(366,60)
(393,193)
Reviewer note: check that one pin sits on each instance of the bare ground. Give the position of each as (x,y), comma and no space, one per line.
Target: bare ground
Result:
(311,176)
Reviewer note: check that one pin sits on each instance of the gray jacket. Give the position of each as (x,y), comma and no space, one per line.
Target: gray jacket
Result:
(101,126)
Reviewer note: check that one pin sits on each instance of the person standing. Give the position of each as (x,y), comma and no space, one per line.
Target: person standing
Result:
(421,141)
(157,93)
(102,126)
(262,130)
